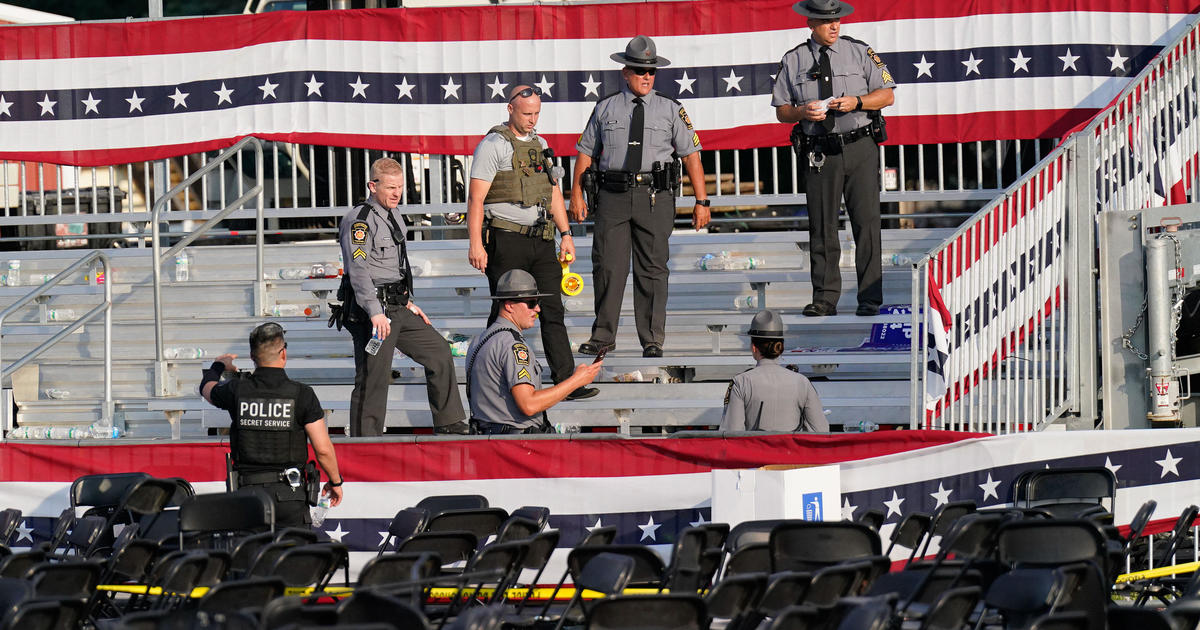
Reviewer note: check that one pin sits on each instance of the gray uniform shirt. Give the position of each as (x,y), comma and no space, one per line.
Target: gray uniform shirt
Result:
(498,362)
(667,131)
(495,153)
(785,397)
(857,70)
(370,254)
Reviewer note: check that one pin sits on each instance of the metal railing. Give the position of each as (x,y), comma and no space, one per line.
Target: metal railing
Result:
(1014,287)
(255,192)
(106,414)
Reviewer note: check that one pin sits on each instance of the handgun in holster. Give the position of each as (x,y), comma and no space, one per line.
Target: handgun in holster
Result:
(312,483)
(800,141)
(231,475)
(343,314)
(878,126)
(591,186)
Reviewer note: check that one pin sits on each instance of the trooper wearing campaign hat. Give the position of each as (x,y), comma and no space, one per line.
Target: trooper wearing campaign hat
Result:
(504,384)
(833,87)
(635,176)
(771,397)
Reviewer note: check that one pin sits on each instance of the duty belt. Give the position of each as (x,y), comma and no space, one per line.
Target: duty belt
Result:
(266,476)
(392,293)
(840,139)
(545,231)
(624,177)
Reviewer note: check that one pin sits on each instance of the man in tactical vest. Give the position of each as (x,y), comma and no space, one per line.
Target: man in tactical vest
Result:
(378,310)
(514,209)
(503,376)
(272,419)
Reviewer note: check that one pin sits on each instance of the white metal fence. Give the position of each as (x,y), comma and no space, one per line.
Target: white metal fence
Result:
(1013,288)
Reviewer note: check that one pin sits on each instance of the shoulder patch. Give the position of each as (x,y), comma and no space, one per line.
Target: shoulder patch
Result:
(874,57)
(887,77)
(358,232)
(358,253)
(728,393)
(793,367)
(684,117)
(524,373)
(521,353)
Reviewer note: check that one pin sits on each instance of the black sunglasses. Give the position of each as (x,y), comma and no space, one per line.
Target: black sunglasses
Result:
(531,302)
(641,71)
(526,93)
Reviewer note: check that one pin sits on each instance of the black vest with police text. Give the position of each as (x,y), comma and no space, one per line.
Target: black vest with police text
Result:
(268,433)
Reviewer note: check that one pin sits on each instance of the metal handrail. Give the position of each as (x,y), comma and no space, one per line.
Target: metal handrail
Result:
(159,256)
(106,414)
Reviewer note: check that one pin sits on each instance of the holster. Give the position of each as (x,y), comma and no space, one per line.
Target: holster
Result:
(878,126)
(591,186)
(800,141)
(666,175)
(348,311)
(231,475)
(312,483)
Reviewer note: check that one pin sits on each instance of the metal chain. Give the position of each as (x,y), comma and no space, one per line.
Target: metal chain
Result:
(1127,338)
(1176,305)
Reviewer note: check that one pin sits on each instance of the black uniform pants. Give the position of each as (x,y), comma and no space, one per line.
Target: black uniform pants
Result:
(626,224)
(509,250)
(853,173)
(291,504)
(373,373)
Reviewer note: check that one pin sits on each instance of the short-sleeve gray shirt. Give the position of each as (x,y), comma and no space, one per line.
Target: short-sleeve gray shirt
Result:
(667,133)
(785,397)
(857,70)
(495,153)
(370,252)
(498,362)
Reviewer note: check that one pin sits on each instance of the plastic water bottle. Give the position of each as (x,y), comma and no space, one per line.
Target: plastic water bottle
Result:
(295,310)
(23,433)
(60,314)
(57,394)
(12,277)
(184,353)
(65,433)
(182,264)
(900,260)
(862,426)
(566,427)
(745,301)
(293,273)
(713,262)
(324,270)
(374,345)
(97,431)
(743,262)
(319,511)
(458,344)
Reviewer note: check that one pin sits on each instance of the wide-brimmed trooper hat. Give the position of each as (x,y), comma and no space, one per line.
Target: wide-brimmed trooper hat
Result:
(766,325)
(517,284)
(825,9)
(640,52)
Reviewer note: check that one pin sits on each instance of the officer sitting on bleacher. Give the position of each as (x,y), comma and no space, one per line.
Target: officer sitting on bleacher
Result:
(771,397)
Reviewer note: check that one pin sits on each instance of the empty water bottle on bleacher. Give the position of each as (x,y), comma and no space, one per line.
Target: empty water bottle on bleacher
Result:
(184,353)
(183,267)
(862,426)
(724,261)
(745,301)
(293,273)
(295,310)
(60,314)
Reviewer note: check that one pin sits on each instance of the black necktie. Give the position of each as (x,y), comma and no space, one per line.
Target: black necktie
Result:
(825,85)
(398,236)
(637,128)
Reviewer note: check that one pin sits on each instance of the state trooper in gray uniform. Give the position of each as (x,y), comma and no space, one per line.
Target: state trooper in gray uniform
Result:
(377,302)
(833,87)
(503,374)
(769,396)
(628,149)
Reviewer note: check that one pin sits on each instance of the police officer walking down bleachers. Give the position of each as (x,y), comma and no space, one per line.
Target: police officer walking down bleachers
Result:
(627,156)
(503,375)
(272,420)
(769,396)
(378,310)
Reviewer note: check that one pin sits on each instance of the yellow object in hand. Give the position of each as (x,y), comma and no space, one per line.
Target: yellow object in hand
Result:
(572,283)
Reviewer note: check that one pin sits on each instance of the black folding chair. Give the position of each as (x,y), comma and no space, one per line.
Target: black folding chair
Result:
(670,611)
(944,518)
(245,595)
(405,523)
(483,522)
(811,545)
(909,533)
(440,502)
(219,520)
(10,518)
(606,573)
(370,606)
(735,597)
(1064,492)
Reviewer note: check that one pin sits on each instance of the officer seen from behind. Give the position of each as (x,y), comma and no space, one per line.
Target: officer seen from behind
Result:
(377,304)
(272,420)
(771,397)
(627,154)
(514,209)
(503,376)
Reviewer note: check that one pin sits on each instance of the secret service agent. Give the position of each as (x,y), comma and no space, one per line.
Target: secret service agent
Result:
(833,87)
(503,375)
(272,419)
(629,147)
(514,210)
(769,396)
(377,302)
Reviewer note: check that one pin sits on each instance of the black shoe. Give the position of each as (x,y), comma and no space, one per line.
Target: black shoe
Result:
(652,351)
(819,309)
(583,392)
(867,310)
(594,348)
(458,428)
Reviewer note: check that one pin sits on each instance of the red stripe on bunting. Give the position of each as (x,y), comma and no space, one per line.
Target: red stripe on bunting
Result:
(493,23)
(901,130)
(478,459)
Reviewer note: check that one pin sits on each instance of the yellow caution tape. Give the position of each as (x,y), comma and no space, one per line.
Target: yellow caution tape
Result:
(539,593)
(1186,567)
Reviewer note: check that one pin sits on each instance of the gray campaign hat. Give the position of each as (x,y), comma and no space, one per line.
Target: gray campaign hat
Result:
(767,324)
(640,52)
(517,284)
(824,9)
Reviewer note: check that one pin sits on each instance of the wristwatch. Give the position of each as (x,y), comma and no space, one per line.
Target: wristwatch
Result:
(566,232)
(704,202)
(858,108)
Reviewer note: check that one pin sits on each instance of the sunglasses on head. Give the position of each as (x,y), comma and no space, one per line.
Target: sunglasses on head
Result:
(526,93)
(641,71)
